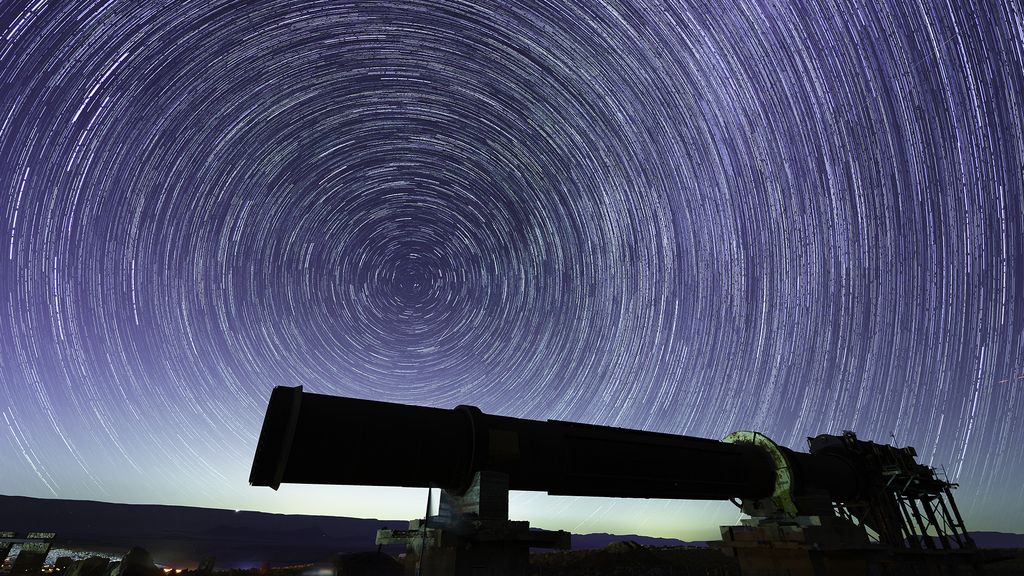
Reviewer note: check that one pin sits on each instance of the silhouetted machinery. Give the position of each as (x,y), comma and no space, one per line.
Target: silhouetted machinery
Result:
(846,507)
(31,554)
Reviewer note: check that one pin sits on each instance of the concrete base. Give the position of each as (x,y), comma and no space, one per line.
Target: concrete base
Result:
(472,536)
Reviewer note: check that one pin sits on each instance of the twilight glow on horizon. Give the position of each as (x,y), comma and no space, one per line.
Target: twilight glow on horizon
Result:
(687,216)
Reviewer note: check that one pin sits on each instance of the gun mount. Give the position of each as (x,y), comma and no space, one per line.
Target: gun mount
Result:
(841,508)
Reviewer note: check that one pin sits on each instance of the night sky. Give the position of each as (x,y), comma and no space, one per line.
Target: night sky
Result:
(691,217)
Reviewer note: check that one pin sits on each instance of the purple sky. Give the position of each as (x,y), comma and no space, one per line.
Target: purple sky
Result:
(691,217)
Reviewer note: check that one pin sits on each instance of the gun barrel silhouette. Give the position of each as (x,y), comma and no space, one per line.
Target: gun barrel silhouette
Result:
(319,439)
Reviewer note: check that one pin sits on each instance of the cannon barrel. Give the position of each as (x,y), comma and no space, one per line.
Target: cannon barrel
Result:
(319,439)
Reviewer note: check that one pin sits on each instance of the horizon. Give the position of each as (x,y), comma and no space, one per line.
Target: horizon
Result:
(383,519)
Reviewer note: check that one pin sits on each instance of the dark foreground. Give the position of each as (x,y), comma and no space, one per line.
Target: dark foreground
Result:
(618,559)
(628,559)
(624,560)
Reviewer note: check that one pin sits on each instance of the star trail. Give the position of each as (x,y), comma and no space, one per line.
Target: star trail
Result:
(691,217)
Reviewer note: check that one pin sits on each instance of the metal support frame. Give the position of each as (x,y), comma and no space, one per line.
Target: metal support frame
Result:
(931,520)
(903,519)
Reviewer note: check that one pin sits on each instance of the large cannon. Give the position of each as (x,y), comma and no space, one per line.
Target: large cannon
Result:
(476,458)
(318,439)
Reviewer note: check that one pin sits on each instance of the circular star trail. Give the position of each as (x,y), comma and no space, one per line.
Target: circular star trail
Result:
(689,217)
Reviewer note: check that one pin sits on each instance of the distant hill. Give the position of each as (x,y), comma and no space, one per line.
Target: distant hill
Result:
(182,536)
(998,540)
(601,540)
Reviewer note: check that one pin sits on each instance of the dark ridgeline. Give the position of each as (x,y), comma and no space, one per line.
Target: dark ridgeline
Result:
(184,536)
